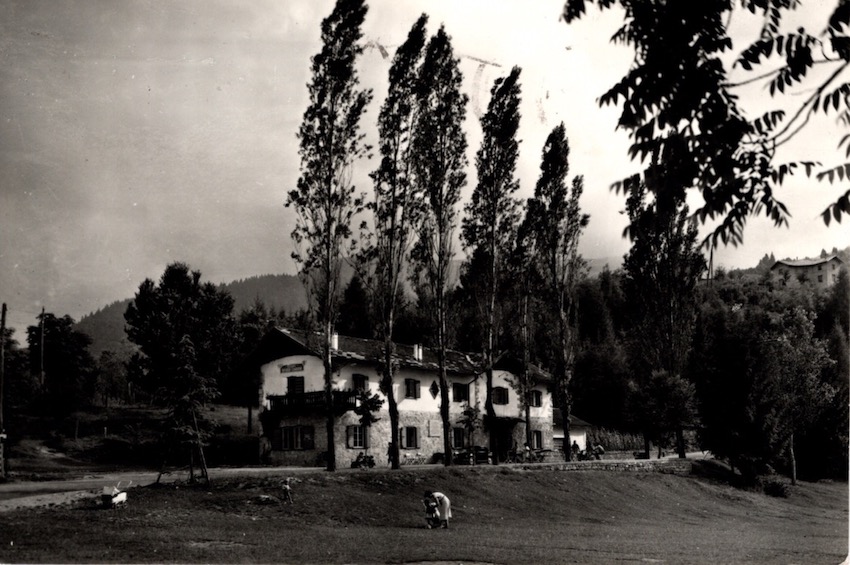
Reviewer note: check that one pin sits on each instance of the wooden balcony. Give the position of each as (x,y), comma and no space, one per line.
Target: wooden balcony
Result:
(312,403)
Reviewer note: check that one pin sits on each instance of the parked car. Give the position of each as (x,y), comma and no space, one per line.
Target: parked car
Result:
(475,455)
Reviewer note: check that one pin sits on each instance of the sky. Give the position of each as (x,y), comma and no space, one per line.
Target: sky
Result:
(138,133)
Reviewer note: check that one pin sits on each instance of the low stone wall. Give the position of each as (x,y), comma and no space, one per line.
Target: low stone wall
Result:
(673,466)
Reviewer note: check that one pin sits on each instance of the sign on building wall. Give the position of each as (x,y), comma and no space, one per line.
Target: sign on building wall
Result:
(292,368)
(435,428)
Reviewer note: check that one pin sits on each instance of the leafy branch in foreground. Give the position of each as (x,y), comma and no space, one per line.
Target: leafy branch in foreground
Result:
(678,102)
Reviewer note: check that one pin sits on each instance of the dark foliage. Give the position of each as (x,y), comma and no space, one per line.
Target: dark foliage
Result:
(68,378)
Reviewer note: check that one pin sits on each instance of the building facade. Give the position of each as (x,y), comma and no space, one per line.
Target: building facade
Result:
(821,273)
(293,402)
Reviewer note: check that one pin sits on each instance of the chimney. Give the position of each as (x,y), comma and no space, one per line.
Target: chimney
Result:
(335,341)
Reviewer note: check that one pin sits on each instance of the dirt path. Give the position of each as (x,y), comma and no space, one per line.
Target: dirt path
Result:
(29,494)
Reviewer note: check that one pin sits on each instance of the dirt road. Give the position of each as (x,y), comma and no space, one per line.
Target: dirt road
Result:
(24,494)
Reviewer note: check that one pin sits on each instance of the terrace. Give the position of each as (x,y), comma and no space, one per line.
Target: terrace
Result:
(311,402)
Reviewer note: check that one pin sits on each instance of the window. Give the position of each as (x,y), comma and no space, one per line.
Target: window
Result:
(409,437)
(820,267)
(460,392)
(500,395)
(295,385)
(458,437)
(411,388)
(360,382)
(295,438)
(820,278)
(535,398)
(355,437)
(536,439)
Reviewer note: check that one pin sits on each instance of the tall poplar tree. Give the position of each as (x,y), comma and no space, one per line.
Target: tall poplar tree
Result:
(439,160)
(395,207)
(522,286)
(325,200)
(490,225)
(662,270)
(558,223)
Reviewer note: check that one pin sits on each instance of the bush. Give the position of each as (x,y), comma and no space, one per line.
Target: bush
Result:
(773,486)
(612,440)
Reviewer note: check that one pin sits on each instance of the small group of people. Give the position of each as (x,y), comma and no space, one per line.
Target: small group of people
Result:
(594,451)
(438,510)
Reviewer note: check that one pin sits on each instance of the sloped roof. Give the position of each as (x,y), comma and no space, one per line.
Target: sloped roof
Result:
(510,363)
(558,420)
(282,342)
(805,262)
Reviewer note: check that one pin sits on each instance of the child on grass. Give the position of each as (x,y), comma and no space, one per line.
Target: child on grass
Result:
(432,515)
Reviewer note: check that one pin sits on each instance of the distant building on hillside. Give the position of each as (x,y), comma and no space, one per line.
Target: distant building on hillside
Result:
(822,272)
(292,395)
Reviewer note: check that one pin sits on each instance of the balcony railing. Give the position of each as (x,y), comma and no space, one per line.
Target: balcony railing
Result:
(309,402)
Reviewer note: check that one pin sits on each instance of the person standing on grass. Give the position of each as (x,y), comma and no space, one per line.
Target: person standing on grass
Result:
(444,506)
(287,490)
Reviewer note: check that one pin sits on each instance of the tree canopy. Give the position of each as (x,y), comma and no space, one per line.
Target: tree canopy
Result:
(681,108)
(178,306)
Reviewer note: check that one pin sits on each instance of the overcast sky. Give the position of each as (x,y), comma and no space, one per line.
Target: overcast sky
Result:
(138,133)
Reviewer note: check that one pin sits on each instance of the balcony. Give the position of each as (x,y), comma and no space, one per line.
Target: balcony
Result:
(311,403)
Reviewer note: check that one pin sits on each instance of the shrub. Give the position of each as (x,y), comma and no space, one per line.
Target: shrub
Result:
(774,486)
(613,440)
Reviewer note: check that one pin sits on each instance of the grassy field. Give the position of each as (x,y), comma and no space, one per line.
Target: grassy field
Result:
(501,515)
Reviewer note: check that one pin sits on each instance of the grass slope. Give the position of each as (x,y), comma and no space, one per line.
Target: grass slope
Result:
(501,515)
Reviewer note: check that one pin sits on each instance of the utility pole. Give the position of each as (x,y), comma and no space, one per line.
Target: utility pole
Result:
(41,353)
(2,398)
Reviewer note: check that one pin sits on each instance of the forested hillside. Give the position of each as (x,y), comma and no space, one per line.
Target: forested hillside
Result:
(278,292)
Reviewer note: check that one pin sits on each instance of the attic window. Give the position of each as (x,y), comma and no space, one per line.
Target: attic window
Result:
(435,389)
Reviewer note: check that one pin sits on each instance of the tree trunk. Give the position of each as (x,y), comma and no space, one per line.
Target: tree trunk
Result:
(647,445)
(562,374)
(250,419)
(392,405)
(444,408)
(442,345)
(204,471)
(329,399)
(680,442)
(490,411)
(489,346)
(525,362)
(793,459)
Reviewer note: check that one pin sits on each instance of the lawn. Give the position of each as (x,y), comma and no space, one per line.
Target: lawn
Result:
(501,515)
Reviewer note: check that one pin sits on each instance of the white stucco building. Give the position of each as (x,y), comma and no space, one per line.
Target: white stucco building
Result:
(292,398)
(821,272)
